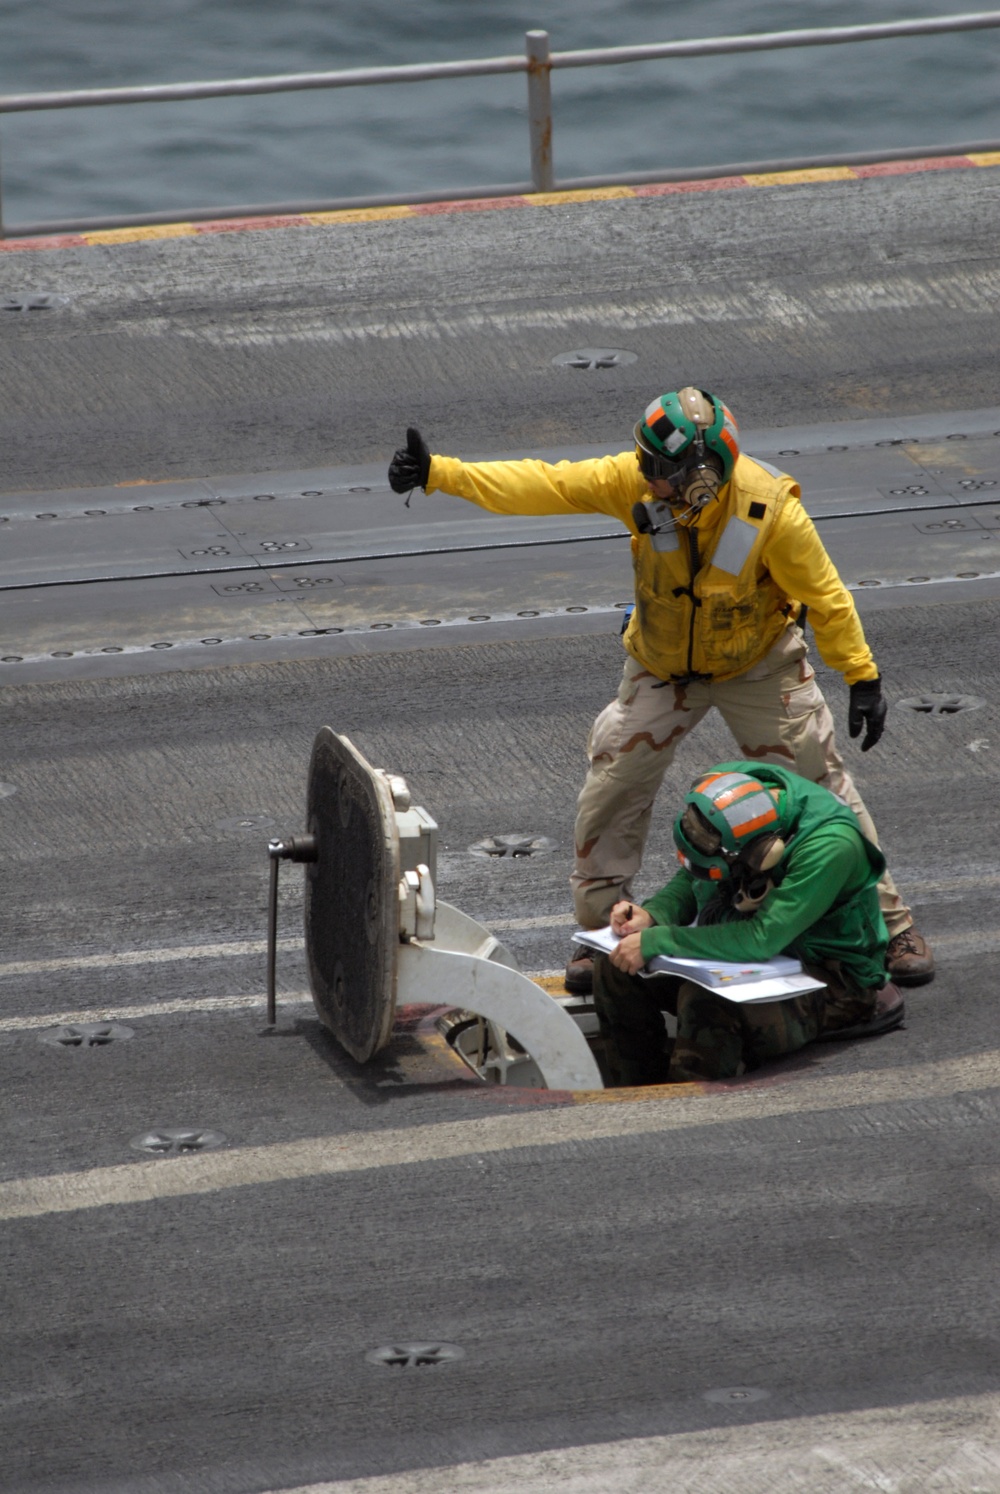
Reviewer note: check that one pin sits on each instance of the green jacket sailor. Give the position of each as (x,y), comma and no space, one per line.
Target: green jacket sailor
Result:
(770,865)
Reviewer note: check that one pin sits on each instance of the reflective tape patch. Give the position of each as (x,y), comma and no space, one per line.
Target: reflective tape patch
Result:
(751,815)
(726,794)
(743,802)
(738,539)
(666,541)
(774,471)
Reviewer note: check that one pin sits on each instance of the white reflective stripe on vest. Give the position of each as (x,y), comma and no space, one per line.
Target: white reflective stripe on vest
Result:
(774,471)
(666,540)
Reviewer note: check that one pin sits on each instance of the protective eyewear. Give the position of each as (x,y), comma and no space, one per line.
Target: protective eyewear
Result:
(706,840)
(653,465)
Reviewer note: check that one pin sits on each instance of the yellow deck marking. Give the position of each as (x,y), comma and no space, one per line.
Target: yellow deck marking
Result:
(579,194)
(360,215)
(813,174)
(140,233)
(327,1156)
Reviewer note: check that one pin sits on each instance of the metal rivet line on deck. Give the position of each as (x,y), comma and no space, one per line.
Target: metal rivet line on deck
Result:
(622,357)
(403,624)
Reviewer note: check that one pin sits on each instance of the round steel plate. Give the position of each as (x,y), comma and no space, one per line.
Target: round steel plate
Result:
(352,897)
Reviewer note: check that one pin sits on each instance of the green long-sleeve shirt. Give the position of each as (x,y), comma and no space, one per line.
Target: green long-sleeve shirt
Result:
(824,908)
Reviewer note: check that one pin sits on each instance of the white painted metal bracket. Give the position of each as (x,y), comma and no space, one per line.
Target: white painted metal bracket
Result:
(372,856)
(465,966)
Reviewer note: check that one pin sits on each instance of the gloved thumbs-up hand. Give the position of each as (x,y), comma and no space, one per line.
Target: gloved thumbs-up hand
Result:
(410,466)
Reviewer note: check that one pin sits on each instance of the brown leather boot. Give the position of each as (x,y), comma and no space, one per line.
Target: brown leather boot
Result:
(889,1013)
(579,976)
(909,959)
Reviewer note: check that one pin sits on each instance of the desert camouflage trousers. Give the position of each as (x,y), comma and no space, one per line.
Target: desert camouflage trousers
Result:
(716,1038)
(776,713)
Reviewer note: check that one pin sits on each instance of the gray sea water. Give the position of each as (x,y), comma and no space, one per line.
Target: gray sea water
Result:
(451,134)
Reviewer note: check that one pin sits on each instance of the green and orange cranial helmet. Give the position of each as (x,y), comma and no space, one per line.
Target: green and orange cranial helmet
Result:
(724,815)
(683,430)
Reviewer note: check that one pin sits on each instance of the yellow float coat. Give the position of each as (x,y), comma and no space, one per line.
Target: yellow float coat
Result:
(757,562)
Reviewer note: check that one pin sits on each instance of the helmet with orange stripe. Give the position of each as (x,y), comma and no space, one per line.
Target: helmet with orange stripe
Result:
(730,830)
(683,430)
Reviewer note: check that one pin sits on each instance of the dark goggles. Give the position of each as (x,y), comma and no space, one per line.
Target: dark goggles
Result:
(653,465)
(698,836)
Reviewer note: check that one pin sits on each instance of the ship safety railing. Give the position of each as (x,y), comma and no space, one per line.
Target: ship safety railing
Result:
(538,63)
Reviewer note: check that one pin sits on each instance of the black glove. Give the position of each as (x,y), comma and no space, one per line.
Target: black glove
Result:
(410,468)
(867,709)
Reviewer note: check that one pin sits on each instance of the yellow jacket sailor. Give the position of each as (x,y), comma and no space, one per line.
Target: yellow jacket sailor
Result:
(727,562)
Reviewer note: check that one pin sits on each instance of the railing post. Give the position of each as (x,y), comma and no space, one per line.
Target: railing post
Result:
(1,200)
(536,45)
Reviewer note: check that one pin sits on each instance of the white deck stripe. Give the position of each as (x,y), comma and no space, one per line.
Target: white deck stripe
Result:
(967,943)
(324,1156)
(237,947)
(33,1020)
(144,957)
(150,1009)
(948,1445)
(229,950)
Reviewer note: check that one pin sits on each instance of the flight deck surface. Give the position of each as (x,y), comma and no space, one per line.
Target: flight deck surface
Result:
(786,1278)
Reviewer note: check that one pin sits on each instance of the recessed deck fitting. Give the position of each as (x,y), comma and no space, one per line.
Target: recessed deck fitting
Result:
(87,1035)
(512,846)
(593,358)
(171,1141)
(939,704)
(736,1395)
(414,1356)
(252,821)
(40,301)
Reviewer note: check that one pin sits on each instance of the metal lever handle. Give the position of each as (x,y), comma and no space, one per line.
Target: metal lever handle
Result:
(298,848)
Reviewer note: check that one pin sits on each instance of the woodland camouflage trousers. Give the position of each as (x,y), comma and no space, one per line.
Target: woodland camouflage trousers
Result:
(716,1038)
(776,713)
